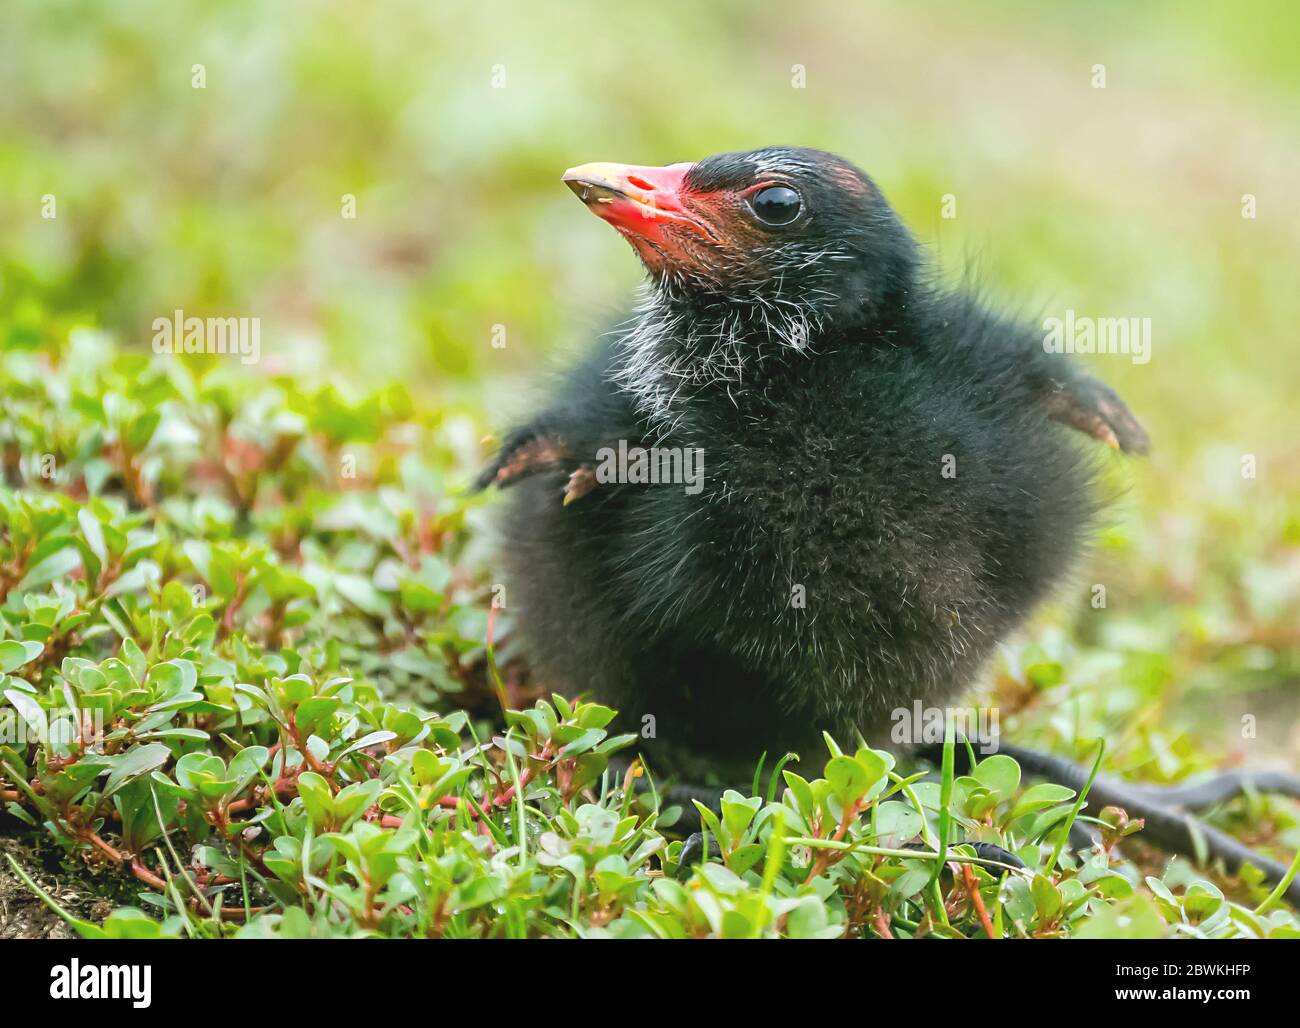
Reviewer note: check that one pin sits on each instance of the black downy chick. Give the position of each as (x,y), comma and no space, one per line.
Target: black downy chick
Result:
(862,481)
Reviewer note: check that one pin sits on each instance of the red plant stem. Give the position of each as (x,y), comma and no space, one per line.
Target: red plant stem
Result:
(283,787)
(153,881)
(94,839)
(236,601)
(145,875)
(507,794)
(503,798)
(324,770)
(882,924)
(972,887)
(825,858)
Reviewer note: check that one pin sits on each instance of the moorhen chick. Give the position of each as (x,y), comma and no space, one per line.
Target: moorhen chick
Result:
(804,485)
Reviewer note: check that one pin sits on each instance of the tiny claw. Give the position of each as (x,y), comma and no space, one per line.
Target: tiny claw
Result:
(580,483)
(1091,408)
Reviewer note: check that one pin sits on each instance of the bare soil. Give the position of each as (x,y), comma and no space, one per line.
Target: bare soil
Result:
(82,891)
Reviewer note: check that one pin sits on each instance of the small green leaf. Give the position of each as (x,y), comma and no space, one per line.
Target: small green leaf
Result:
(999,774)
(137,761)
(14,654)
(1038,797)
(316,798)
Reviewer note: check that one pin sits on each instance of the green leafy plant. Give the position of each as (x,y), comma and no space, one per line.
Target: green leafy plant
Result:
(248,664)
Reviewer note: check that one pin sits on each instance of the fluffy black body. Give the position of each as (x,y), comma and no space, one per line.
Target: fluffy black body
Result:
(888,490)
(888,486)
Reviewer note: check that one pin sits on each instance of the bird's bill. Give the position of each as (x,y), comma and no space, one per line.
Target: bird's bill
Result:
(643,203)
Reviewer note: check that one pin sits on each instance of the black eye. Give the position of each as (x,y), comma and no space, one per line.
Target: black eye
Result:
(776,205)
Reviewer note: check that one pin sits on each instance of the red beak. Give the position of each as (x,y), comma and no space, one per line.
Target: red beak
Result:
(645,204)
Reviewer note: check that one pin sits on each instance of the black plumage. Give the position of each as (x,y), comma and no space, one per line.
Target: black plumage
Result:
(888,486)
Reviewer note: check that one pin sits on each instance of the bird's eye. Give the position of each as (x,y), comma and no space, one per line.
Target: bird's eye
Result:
(776,205)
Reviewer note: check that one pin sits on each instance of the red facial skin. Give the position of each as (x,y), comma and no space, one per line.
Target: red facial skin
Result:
(652,208)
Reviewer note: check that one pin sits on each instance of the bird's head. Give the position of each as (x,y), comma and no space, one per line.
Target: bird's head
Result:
(777,226)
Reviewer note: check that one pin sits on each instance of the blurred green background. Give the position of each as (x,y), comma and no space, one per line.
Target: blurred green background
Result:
(1117,201)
